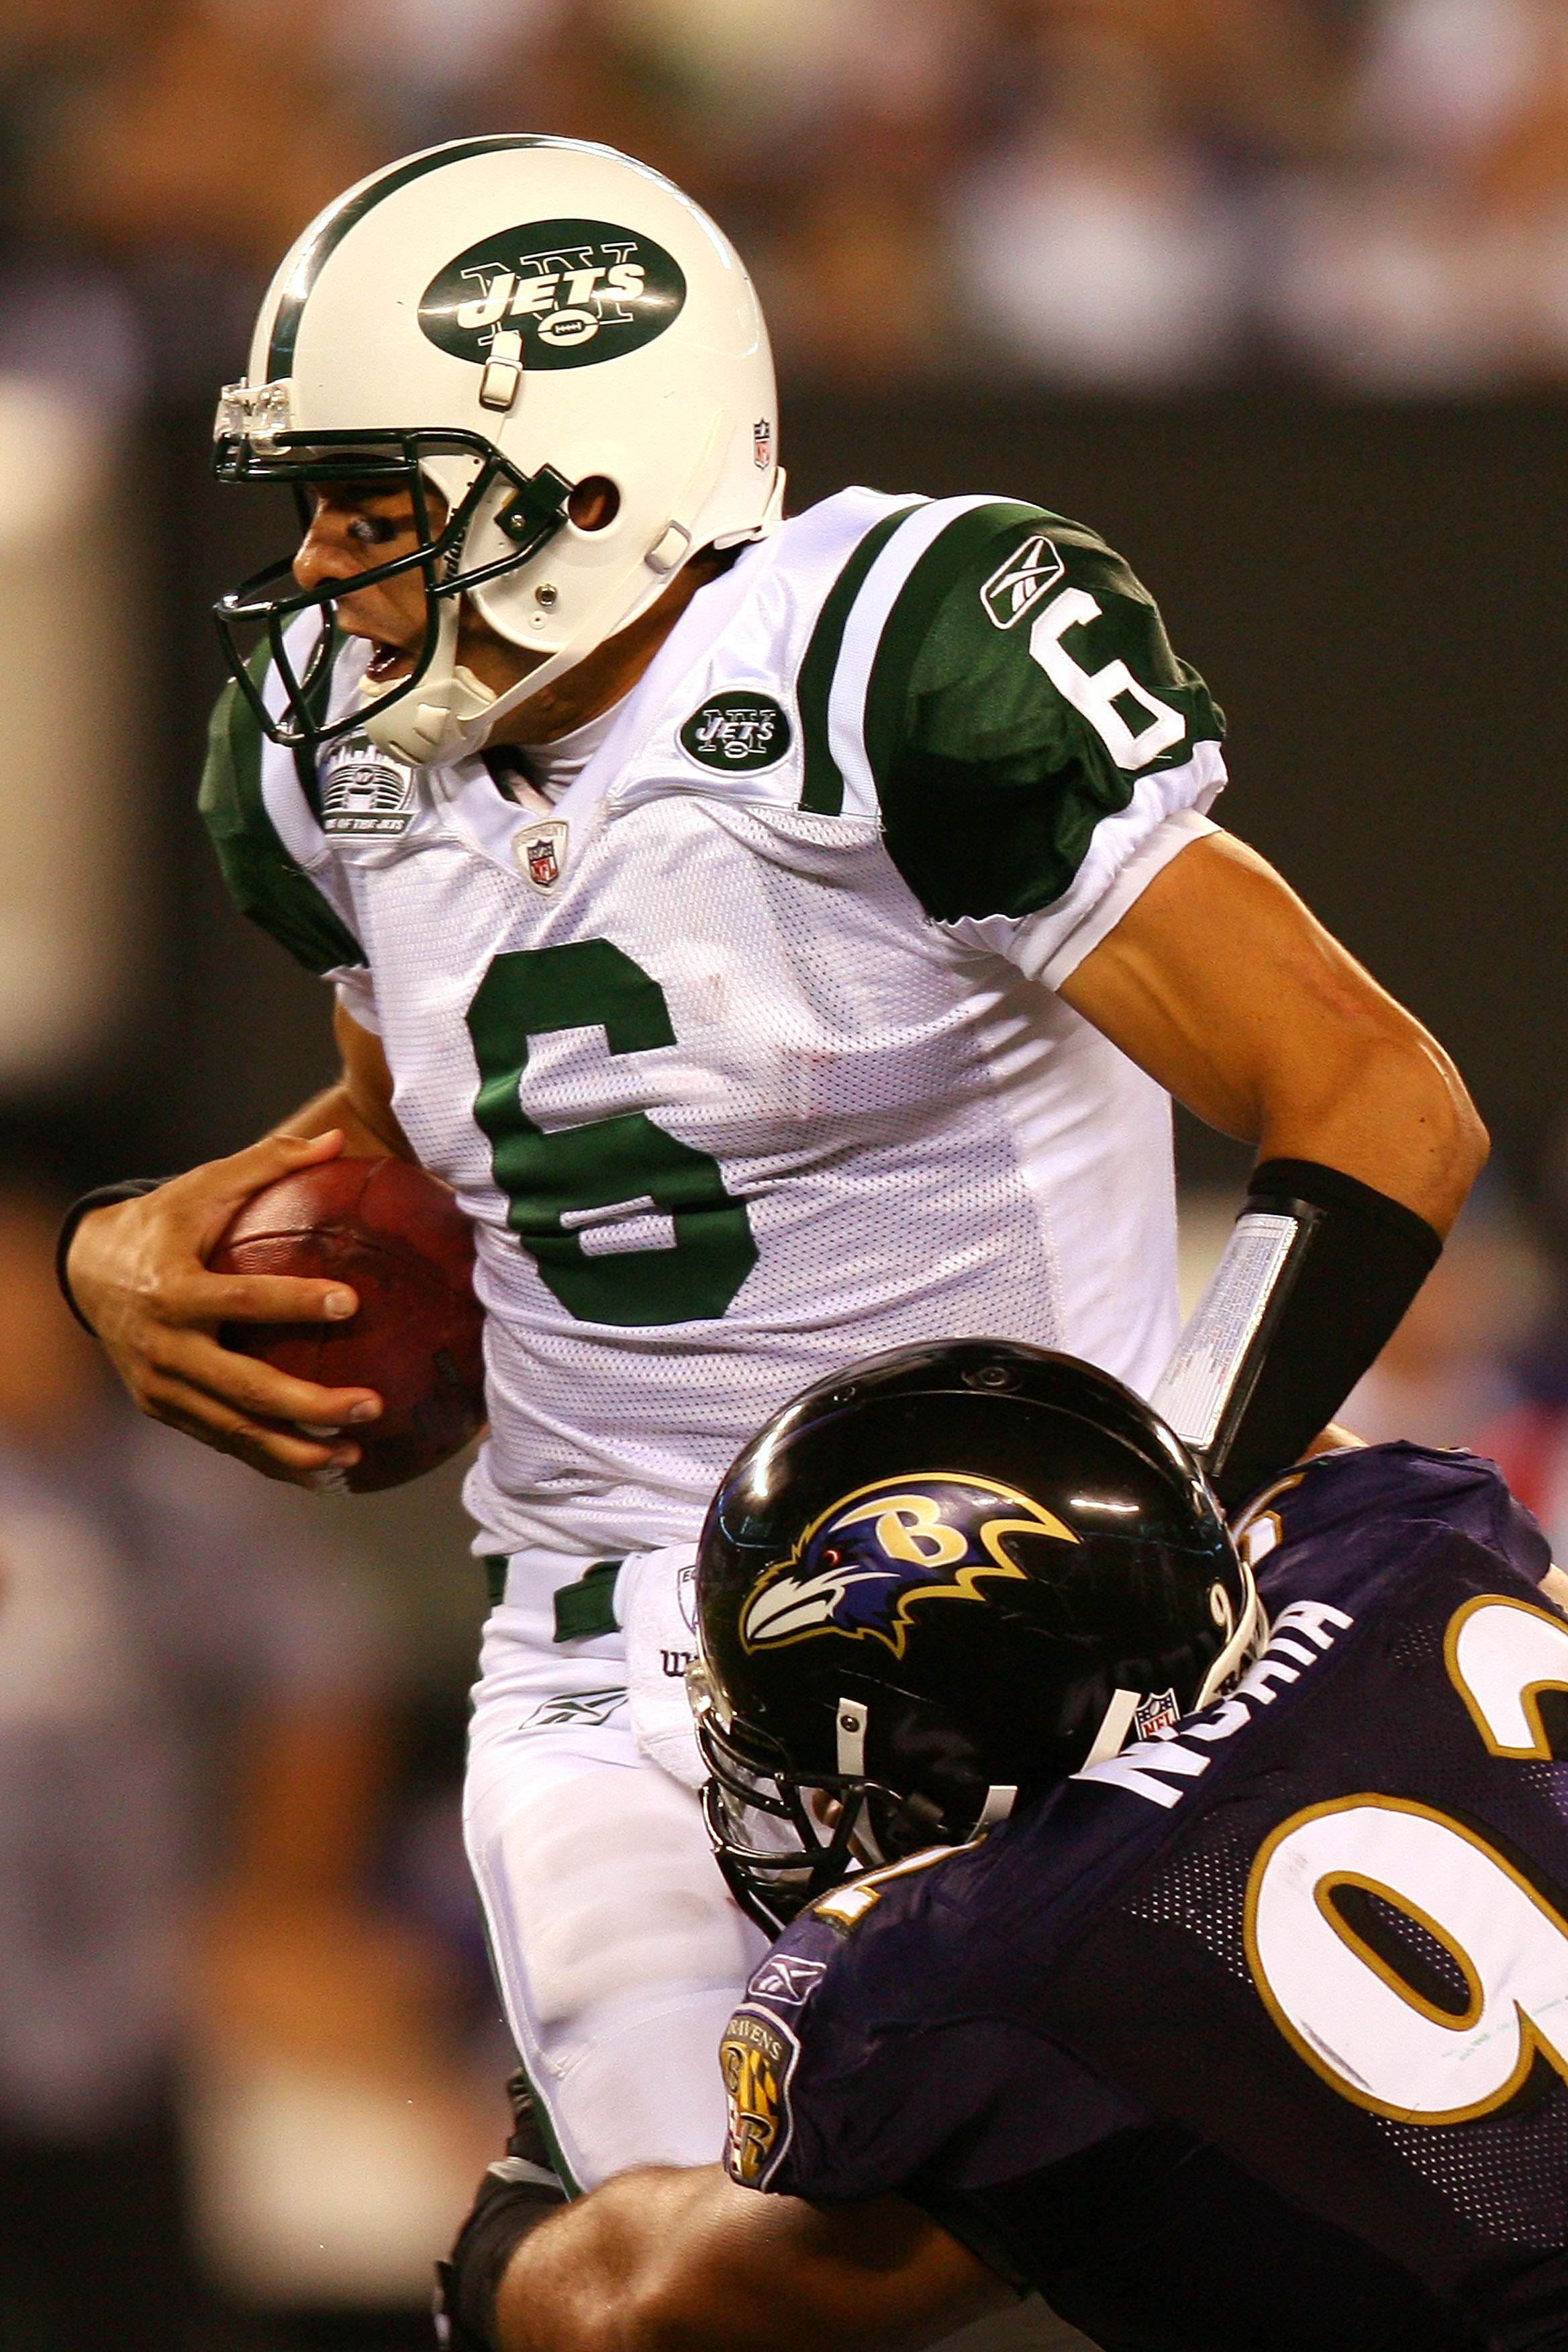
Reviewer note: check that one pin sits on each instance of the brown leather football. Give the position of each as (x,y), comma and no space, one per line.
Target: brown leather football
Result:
(395,1234)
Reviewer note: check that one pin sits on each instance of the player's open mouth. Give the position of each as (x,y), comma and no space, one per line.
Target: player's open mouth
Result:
(388,662)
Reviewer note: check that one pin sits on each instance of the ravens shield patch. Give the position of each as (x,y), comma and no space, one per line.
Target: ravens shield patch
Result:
(758,2057)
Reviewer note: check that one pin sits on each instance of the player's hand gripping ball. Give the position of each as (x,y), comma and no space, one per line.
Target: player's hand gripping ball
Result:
(395,1234)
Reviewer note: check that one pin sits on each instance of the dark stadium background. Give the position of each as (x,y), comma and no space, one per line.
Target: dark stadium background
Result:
(1274,293)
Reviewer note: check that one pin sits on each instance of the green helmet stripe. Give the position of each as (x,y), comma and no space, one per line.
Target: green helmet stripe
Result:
(337,224)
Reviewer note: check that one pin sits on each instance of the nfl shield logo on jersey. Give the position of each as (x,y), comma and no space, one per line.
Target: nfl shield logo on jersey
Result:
(1159,1712)
(763,441)
(1019,586)
(540,852)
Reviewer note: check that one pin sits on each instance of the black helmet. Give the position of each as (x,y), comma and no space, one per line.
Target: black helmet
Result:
(932,1587)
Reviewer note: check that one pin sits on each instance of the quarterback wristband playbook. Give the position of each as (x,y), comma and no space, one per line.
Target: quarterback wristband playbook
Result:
(1314,1280)
(131,1188)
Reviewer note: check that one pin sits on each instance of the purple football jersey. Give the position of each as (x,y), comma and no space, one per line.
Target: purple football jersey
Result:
(1299,1964)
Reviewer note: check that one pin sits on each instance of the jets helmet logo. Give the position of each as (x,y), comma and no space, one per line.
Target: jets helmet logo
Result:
(875,1555)
(575,291)
(1019,586)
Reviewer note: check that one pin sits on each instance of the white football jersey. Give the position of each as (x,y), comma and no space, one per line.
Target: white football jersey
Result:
(746,1060)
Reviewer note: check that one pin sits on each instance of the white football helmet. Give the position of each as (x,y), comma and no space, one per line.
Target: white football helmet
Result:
(500,318)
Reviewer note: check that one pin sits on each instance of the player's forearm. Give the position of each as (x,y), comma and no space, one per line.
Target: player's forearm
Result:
(583,2282)
(1223,986)
(336,1107)
(686,2262)
(360,1101)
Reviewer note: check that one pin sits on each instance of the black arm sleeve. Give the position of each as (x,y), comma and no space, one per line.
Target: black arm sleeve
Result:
(1317,1276)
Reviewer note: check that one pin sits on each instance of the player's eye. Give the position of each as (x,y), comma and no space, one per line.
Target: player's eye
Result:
(376,530)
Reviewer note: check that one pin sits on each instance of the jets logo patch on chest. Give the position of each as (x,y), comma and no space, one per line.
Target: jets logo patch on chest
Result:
(737,730)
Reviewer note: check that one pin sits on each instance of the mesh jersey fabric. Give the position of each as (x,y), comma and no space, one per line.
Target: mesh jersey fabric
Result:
(1103,1966)
(738,1069)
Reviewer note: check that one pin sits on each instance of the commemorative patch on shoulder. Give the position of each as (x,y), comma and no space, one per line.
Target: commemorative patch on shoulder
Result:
(758,2056)
(737,731)
(366,791)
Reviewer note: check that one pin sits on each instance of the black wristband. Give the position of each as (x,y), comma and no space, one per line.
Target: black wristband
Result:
(1317,1277)
(506,2209)
(131,1188)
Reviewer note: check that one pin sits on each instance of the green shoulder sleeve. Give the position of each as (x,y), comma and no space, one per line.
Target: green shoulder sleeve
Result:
(1022,690)
(263,880)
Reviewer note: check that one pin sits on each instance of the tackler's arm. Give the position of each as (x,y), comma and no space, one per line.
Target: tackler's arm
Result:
(688,2261)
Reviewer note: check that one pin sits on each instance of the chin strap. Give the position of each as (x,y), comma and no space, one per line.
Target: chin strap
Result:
(1114,1726)
(450,715)
(446,705)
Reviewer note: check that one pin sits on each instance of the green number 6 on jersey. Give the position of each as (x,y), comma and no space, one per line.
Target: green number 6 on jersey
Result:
(555,1183)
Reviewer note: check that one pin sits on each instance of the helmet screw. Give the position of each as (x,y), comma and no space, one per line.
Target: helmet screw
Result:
(546,594)
(991,1376)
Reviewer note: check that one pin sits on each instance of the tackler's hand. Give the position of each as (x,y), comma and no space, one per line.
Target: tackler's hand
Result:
(137,1271)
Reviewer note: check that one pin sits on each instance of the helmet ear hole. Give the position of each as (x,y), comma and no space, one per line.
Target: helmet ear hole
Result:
(594,503)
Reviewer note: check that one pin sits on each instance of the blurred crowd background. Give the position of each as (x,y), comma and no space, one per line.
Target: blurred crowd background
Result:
(1119,192)
(1274,292)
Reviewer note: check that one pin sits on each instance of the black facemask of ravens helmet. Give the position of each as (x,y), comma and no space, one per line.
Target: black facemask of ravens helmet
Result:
(932,1589)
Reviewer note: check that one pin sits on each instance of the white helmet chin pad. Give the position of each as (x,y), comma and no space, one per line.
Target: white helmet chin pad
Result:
(449,703)
(563,314)
(451,715)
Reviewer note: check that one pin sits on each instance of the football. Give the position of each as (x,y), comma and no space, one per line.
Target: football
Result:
(396,1235)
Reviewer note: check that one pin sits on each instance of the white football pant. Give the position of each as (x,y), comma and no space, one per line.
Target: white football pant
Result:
(619,1951)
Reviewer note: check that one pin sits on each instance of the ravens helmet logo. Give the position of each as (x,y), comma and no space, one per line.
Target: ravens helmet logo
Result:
(864,1563)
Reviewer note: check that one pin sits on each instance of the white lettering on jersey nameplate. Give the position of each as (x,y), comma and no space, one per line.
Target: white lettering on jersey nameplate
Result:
(1137,1768)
